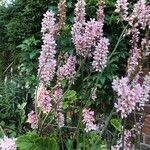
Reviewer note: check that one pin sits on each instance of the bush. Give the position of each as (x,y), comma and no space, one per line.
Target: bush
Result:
(87,83)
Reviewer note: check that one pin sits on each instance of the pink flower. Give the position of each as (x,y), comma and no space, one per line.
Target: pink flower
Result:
(100,12)
(122,9)
(127,142)
(100,55)
(145,96)
(85,40)
(43,99)
(47,63)
(128,96)
(80,12)
(58,93)
(88,120)
(93,32)
(86,34)
(77,29)
(140,15)
(135,52)
(133,60)
(60,119)
(7,144)
(33,120)
(48,23)
(67,71)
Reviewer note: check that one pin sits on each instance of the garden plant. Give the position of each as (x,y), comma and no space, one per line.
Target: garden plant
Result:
(88,88)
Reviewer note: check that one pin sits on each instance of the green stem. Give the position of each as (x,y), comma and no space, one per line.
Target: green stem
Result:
(2,131)
(124,122)
(42,124)
(119,40)
(77,129)
(61,139)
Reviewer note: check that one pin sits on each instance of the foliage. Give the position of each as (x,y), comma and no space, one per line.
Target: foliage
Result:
(21,39)
(28,54)
(116,123)
(19,20)
(12,106)
(32,141)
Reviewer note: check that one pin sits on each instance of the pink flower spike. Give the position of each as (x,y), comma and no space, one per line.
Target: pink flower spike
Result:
(128,96)
(43,99)
(33,120)
(88,120)
(100,55)
(122,9)
(47,63)
(67,71)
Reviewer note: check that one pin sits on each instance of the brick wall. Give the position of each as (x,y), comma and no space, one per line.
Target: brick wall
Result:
(146,125)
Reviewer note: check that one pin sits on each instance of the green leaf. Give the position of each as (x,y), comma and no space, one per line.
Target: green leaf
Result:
(22,106)
(70,94)
(69,144)
(69,98)
(116,123)
(69,4)
(32,141)
(26,142)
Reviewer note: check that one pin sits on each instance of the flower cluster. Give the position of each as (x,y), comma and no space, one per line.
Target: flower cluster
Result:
(67,71)
(48,23)
(146,92)
(100,54)
(7,144)
(140,15)
(100,12)
(86,34)
(80,12)
(58,93)
(122,9)
(140,18)
(88,120)
(77,29)
(128,96)
(133,60)
(93,32)
(60,119)
(88,37)
(44,99)
(47,67)
(47,63)
(135,52)
(127,142)
(33,120)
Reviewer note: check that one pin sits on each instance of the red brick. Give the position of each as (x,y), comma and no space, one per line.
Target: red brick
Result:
(147,109)
(146,125)
(146,139)
(147,120)
(146,129)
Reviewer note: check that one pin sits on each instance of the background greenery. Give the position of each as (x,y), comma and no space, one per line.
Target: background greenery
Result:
(20,40)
